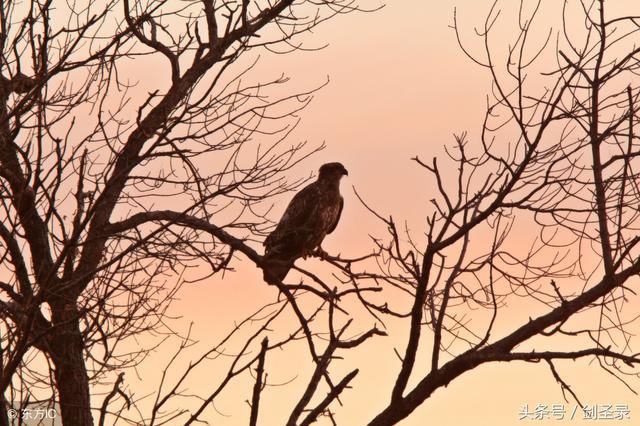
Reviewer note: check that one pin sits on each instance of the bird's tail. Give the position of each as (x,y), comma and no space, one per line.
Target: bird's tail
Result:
(275,270)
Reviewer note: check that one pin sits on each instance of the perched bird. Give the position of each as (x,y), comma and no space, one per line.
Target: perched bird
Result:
(311,215)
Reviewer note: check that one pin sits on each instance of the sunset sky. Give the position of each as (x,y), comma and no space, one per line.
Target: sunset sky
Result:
(399,87)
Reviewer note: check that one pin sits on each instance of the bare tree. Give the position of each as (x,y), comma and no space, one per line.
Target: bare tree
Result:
(93,248)
(557,154)
(90,170)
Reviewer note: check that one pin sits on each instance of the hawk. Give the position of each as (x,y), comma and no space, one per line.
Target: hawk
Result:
(311,215)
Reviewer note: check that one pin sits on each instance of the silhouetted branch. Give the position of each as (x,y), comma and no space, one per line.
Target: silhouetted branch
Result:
(257,387)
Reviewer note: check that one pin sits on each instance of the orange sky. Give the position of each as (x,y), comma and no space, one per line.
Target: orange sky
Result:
(399,87)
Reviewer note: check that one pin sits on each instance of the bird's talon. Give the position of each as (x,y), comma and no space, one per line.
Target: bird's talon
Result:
(321,253)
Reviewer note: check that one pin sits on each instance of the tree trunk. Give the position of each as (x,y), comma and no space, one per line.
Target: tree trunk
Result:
(4,418)
(72,382)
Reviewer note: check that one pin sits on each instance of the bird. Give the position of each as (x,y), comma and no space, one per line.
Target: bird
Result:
(312,214)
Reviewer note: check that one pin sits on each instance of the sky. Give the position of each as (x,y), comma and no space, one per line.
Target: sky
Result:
(399,87)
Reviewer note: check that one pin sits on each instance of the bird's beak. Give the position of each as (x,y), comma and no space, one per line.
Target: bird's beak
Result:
(345,172)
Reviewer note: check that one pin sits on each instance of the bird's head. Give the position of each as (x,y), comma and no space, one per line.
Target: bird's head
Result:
(332,172)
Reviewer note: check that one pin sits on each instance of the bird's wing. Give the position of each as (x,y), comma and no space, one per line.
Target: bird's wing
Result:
(301,210)
(335,223)
(303,206)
